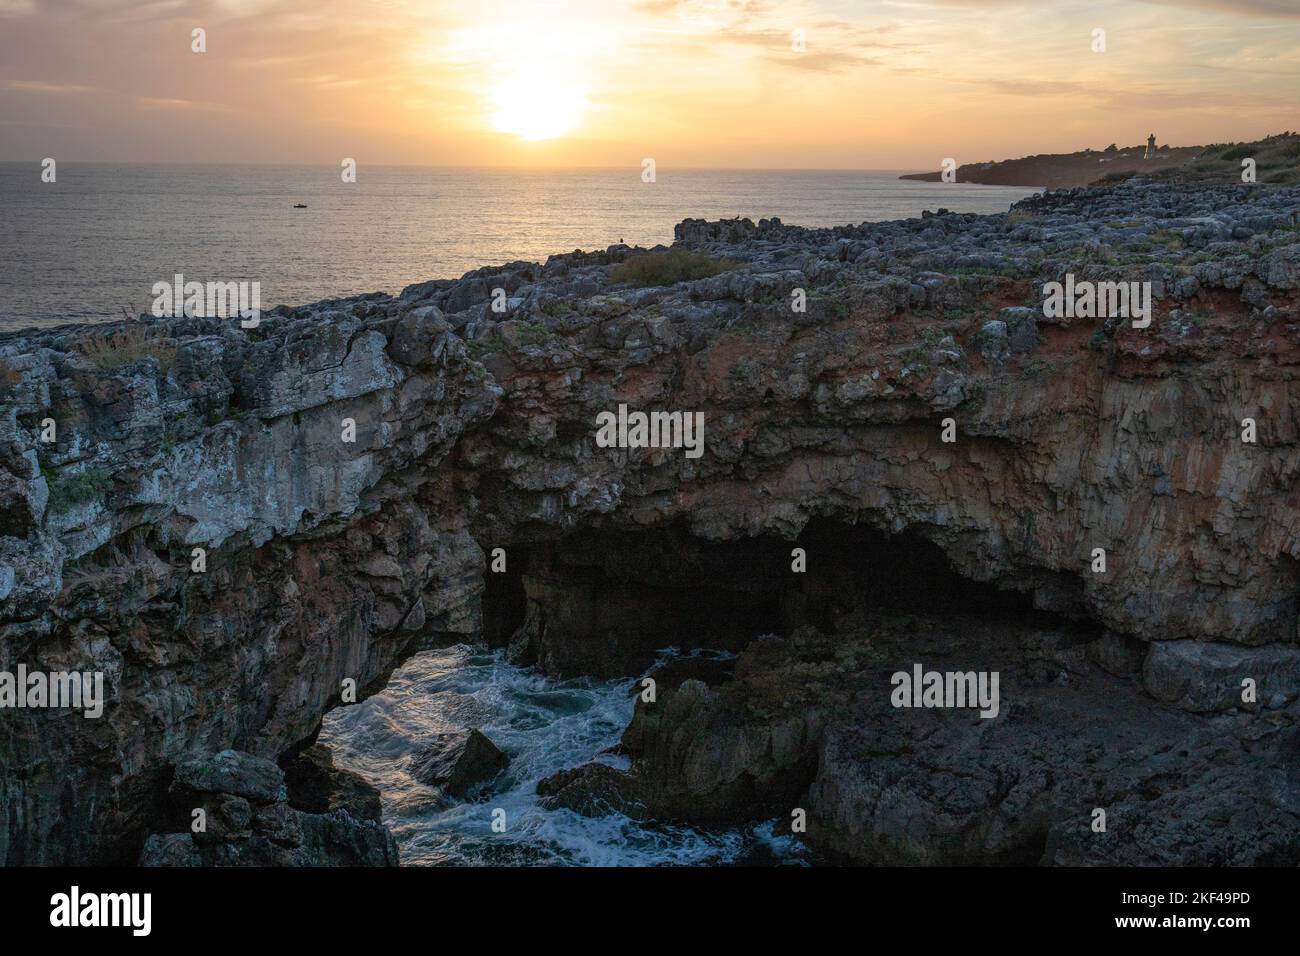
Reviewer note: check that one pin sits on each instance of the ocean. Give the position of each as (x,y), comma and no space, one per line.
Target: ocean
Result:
(544,726)
(93,243)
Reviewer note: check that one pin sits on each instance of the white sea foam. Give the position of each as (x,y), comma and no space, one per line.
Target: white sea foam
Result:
(545,726)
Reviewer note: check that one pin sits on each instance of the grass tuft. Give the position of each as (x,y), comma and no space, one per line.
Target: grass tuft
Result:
(127,346)
(669,268)
(68,491)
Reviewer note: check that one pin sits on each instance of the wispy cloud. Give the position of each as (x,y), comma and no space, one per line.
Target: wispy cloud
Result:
(44,87)
(171,103)
(1266,9)
(699,82)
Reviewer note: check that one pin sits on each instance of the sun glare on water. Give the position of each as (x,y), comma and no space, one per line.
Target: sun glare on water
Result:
(537,103)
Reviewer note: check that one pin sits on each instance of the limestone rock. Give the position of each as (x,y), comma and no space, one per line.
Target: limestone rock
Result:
(232,772)
(331,561)
(458,762)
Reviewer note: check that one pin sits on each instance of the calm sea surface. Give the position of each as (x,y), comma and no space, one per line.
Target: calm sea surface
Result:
(94,242)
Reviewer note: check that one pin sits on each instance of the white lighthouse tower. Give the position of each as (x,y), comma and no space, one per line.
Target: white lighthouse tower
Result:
(1151,147)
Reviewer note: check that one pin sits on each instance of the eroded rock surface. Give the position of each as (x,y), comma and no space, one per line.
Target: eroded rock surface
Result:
(325,562)
(458,762)
(241,811)
(807,727)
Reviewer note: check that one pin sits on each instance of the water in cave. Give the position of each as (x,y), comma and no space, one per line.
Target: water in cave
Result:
(545,725)
(617,603)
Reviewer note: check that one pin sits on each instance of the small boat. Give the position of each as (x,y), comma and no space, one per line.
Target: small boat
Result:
(300,205)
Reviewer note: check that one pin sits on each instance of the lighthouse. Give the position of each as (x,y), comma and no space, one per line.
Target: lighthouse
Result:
(1151,147)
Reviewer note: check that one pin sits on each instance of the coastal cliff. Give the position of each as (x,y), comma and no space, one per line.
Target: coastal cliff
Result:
(347,469)
(1273,159)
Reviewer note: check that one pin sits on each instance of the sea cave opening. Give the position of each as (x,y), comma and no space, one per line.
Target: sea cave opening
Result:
(603,602)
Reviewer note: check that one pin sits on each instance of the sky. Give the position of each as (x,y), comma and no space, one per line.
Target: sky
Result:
(825,84)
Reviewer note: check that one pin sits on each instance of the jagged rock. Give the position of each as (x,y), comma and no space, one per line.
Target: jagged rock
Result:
(883,785)
(458,762)
(331,561)
(315,785)
(232,772)
(248,820)
(592,790)
(1203,677)
(420,337)
(693,760)
(307,839)
(281,825)
(228,818)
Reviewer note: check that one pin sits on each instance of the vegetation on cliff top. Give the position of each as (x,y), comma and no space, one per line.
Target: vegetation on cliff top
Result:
(668,268)
(128,346)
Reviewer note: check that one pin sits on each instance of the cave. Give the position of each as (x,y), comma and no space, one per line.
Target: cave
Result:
(603,602)
(773,665)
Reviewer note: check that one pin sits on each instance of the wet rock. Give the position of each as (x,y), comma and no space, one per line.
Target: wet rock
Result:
(332,561)
(710,669)
(692,760)
(592,790)
(315,785)
(458,762)
(943,786)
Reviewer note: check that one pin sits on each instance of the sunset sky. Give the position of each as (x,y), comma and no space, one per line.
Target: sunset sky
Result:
(879,84)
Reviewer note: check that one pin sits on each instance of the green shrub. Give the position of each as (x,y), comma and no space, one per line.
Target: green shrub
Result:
(531,333)
(669,268)
(1167,238)
(68,491)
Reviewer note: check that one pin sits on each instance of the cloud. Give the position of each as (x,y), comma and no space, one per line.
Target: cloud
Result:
(172,103)
(829,62)
(977,5)
(40,86)
(1268,9)
(1020,87)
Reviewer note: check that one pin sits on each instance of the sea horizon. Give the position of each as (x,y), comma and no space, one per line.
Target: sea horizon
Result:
(91,247)
(571,167)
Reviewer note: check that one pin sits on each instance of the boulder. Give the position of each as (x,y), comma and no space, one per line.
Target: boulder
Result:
(232,772)
(458,762)
(315,785)
(592,790)
(1203,676)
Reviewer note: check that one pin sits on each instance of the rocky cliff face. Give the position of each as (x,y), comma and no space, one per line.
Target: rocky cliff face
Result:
(347,469)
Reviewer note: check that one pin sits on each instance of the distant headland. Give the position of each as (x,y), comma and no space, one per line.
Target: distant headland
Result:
(1277,159)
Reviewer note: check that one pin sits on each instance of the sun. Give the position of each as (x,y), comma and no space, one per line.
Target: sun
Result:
(537,102)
